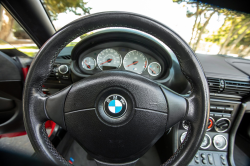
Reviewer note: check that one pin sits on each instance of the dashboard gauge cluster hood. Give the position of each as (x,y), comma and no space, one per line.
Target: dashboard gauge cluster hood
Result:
(121,34)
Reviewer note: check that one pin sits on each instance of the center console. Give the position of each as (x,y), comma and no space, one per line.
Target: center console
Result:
(214,148)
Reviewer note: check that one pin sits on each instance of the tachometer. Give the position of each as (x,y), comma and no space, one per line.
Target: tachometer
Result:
(135,61)
(109,59)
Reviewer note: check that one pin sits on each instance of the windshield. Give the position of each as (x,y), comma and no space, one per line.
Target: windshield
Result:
(207,29)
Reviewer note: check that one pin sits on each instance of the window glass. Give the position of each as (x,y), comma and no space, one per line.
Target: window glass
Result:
(206,28)
(13,36)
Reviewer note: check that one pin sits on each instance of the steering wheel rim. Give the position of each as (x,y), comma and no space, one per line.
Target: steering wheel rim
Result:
(34,101)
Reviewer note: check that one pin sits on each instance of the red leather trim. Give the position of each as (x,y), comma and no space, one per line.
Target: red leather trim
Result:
(50,124)
(13,134)
(25,71)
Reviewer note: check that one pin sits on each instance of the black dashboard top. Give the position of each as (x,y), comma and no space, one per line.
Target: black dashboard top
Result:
(216,66)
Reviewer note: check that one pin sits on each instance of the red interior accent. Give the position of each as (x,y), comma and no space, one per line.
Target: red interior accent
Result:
(13,134)
(50,124)
(25,71)
(211,124)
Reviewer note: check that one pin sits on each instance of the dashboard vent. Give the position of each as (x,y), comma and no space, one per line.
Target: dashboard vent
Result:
(66,57)
(236,88)
(214,85)
(229,87)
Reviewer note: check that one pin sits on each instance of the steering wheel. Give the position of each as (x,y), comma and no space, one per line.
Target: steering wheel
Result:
(115,116)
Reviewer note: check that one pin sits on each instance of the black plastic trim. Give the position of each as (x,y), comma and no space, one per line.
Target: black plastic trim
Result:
(6,104)
(232,135)
(9,69)
(177,107)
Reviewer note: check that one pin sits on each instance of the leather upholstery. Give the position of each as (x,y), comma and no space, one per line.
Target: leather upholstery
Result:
(33,98)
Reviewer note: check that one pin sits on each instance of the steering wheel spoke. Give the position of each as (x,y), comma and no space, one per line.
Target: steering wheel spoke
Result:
(177,106)
(54,106)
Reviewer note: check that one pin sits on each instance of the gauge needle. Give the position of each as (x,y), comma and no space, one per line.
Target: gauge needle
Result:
(133,63)
(87,65)
(152,70)
(106,61)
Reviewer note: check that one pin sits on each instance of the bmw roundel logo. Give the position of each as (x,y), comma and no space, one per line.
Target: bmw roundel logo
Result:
(115,106)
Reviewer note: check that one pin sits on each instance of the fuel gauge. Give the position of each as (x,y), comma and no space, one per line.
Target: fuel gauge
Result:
(154,69)
(88,63)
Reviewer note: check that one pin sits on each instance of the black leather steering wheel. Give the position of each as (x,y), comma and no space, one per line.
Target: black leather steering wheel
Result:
(148,108)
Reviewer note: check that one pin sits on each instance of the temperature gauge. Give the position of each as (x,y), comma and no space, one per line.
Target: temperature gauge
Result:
(88,63)
(154,69)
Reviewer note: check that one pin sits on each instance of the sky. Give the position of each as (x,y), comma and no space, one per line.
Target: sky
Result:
(171,14)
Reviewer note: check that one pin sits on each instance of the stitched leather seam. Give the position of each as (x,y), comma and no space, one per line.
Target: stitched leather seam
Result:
(51,147)
(169,161)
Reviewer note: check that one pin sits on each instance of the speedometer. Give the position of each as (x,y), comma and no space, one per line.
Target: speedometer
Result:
(135,61)
(109,59)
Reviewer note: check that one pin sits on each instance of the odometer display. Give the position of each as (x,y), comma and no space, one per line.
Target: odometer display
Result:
(135,61)
(109,59)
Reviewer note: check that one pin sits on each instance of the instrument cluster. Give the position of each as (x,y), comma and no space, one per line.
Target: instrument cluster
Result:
(120,58)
